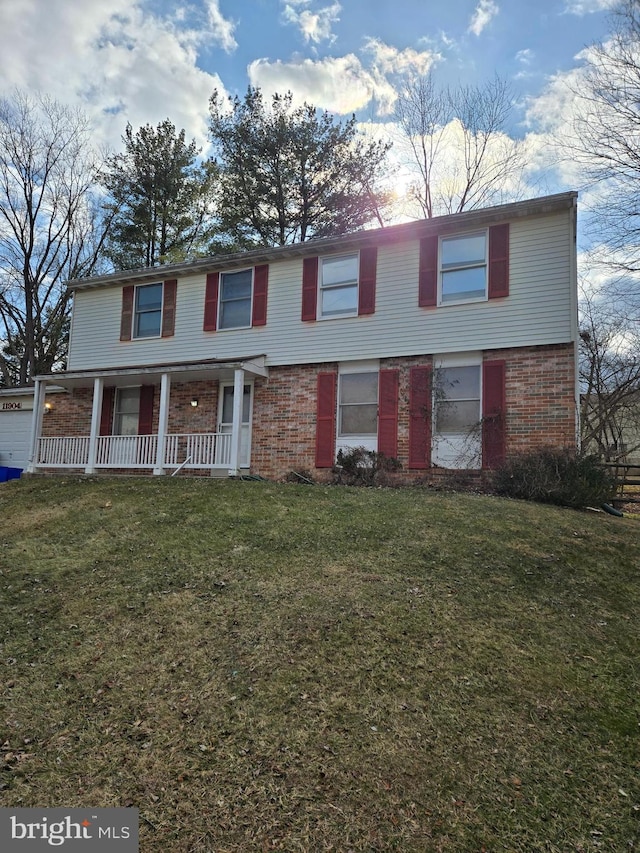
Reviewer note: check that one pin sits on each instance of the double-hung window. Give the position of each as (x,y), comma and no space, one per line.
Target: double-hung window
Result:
(457,416)
(358,404)
(235,299)
(126,411)
(147,320)
(339,286)
(463,268)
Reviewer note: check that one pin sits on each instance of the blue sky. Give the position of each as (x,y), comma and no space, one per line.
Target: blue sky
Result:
(142,61)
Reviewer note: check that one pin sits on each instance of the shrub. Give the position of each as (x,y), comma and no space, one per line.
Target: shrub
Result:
(557,477)
(357,466)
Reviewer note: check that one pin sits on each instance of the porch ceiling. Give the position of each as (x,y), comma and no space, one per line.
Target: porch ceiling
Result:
(219,370)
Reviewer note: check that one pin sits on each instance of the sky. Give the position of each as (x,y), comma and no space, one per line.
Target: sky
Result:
(141,61)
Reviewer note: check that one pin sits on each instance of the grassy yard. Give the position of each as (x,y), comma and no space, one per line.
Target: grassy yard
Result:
(267,667)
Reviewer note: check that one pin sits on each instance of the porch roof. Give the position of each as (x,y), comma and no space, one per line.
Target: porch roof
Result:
(220,369)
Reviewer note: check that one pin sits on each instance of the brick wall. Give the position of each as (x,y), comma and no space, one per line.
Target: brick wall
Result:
(540,395)
(540,400)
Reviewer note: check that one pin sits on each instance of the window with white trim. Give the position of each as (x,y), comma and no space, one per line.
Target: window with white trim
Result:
(463,268)
(126,411)
(457,415)
(358,404)
(338,281)
(147,312)
(235,299)
(456,399)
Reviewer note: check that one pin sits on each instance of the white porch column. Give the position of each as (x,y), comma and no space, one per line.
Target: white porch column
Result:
(98,389)
(163,421)
(236,431)
(39,392)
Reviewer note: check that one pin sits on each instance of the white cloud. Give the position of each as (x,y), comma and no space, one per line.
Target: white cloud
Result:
(315,26)
(484,13)
(340,85)
(114,59)
(587,7)
(344,84)
(389,60)
(219,28)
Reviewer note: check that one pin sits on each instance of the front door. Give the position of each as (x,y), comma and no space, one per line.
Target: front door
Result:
(225,420)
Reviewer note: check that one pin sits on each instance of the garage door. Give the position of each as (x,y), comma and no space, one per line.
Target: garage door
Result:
(15,428)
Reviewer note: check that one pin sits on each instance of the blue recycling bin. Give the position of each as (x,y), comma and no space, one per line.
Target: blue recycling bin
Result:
(9,473)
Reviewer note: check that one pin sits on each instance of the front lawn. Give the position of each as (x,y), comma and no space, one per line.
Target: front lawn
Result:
(264,667)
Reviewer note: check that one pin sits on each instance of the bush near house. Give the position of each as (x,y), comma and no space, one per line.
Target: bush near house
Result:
(553,476)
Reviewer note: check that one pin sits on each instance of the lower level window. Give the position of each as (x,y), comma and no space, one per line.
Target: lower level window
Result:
(358,404)
(127,411)
(457,399)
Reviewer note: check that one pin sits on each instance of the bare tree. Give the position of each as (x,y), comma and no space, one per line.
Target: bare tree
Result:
(48,229)
(610,382)
(604,139)
(458,145)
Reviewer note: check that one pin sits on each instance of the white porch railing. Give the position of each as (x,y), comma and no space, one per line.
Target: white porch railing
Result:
(65,452)
(201,450)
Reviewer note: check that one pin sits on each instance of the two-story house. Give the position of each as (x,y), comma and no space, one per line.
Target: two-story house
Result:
(446,343)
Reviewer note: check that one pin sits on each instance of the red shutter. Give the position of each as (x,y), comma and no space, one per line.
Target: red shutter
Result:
(309,288)
(428,272)
(367,281)
(260,284)
(106,413)
(493,413)
(326,420)
(169,292)
(126,318)
(145,416)
(211,302)
(420,417)
(498,261)
(388,413)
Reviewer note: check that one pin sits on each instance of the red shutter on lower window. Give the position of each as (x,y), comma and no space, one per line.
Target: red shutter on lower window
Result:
(106,413)
(126,318)
(498,261)
(309,288)
(211,302)
(367,281)
(493,413)
(388,412)
(169,294)
(428,272)
(260,285)
(145,416)
(326,420)
(420,417)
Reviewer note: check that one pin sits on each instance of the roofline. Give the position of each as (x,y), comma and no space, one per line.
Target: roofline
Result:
(355,240)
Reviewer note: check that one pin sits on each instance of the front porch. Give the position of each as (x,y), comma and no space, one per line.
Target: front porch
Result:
(163,449)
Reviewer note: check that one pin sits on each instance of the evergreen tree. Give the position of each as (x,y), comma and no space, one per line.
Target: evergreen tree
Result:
(160,197)
(289,174)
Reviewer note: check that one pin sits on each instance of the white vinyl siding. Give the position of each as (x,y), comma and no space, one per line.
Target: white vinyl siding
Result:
(540,310)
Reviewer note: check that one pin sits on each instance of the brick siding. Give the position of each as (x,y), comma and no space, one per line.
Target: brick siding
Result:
(540,403)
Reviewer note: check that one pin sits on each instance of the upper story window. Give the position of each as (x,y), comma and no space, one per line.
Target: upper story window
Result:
(147,320)
(235,299)
(339,286)
(463,268)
